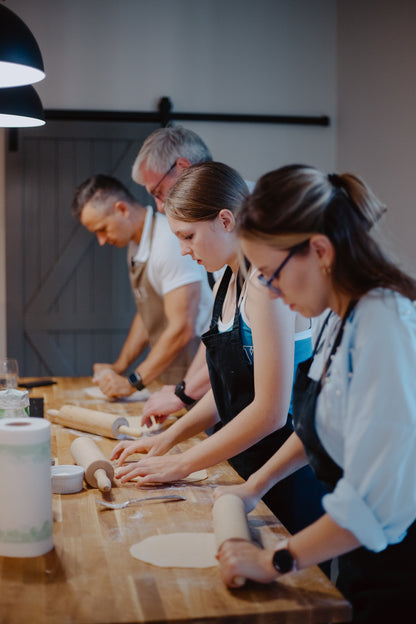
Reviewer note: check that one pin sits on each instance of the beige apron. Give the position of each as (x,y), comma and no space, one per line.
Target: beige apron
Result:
(150,307)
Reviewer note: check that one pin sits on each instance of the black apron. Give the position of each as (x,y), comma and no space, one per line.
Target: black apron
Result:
(380,586)
(296,499)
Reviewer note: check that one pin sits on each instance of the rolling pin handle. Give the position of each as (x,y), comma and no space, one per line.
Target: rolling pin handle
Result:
(103,482)
(239,581)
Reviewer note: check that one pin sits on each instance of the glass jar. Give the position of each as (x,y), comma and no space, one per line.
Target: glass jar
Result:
(14,403)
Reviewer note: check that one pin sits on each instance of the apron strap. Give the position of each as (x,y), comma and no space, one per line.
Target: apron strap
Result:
(220,296)
(338,338)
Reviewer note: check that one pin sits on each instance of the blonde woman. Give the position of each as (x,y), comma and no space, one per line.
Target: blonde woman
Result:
(251,354)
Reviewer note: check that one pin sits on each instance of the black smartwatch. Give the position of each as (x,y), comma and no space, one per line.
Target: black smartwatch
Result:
(136,381)
(283,560)
(180,393)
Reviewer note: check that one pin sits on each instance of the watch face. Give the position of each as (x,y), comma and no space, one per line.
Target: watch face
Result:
(136,381)
(283,561)
(133,379)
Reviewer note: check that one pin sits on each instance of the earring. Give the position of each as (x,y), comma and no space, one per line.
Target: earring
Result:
(327,269)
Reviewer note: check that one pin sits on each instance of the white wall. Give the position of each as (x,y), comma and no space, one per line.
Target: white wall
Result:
(376,133)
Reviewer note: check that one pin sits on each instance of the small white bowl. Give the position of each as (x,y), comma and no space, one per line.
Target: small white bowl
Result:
(67,479)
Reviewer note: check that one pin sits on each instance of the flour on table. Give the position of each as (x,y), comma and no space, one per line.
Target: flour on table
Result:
(177,550)
(95,393)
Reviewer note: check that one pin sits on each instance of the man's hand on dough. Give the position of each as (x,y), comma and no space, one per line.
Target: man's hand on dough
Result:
(114,385)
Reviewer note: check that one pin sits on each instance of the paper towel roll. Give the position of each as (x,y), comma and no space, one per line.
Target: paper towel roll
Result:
(26,521)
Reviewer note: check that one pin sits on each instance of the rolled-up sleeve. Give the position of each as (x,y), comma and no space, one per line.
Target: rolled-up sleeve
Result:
(371,430)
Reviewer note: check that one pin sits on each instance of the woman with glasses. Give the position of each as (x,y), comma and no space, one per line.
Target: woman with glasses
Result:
(354,402)
(252,351)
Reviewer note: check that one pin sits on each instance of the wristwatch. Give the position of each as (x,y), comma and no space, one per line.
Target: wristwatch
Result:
(283,560)
(180,393)
(136,381)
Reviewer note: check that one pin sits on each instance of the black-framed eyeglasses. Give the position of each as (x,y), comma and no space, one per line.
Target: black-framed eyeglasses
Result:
(154,189)
(268,282)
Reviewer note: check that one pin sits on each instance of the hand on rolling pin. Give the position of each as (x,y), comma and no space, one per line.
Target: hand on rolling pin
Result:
(239,558)
(114,385)
(157,445)
(154,470)
(160,405)
(243,491)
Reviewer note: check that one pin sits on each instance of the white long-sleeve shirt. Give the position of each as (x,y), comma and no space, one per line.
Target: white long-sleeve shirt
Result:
(366,418)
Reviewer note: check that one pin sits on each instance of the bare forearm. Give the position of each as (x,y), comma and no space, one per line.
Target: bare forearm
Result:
(198,419)
(164,351)
(239,434)
(197,384)
(134,345)
(289,458)
(181,311)
(197,378)
(321,541)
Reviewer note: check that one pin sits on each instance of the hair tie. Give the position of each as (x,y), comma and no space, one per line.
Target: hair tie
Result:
(335,180)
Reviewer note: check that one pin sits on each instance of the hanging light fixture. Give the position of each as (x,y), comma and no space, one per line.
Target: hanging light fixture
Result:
(20,107)
(20,57)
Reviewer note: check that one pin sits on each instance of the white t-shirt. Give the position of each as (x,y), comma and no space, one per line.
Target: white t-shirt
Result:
(167,269)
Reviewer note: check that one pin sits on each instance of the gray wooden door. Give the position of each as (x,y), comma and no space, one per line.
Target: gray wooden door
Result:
(69,302)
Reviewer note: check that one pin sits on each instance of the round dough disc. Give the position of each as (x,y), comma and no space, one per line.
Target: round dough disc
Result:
(177,550)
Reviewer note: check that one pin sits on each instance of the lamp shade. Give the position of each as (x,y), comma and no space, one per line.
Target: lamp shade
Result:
(20,107)
(20,57)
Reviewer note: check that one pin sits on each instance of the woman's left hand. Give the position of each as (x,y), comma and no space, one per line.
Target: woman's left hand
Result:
(154,470)
(239,558)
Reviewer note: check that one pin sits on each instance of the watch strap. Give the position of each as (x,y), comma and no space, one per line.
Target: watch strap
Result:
(181,394)
(136,381)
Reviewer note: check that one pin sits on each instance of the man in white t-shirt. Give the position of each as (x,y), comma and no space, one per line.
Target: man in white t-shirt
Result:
(173,298)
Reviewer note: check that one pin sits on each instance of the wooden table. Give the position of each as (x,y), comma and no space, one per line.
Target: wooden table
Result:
(90,576)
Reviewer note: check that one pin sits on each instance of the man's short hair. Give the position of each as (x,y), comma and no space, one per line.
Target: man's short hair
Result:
(102,190)
(165,145)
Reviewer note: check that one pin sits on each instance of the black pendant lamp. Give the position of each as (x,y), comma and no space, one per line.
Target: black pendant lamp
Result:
(20,107)
(21,65)
(20,57)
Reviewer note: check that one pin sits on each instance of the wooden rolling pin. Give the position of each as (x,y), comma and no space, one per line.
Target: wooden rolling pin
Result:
(100,423)
(98,470)
(230,521)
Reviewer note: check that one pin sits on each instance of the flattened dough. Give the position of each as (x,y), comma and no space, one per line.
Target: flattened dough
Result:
(95,393)
(177,550)
(198,475)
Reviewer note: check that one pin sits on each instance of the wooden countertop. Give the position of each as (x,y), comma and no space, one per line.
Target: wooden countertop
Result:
(91,578)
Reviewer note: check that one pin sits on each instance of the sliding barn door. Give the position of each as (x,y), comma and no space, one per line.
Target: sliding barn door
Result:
(68,300)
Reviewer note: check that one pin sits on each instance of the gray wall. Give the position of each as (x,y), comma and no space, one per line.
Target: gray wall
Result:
(240,56)
(237,56)
(376,126)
